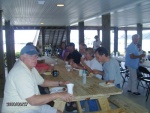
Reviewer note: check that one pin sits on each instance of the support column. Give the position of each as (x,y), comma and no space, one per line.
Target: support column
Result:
(106,31)
(10,48)
(115,40)
(68,34)
(139,31)
(43,40)
(81,32)
(2,67)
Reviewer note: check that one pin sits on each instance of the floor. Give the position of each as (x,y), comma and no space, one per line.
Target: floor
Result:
(137,99)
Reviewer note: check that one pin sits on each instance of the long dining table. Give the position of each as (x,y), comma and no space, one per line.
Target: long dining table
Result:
(90,90)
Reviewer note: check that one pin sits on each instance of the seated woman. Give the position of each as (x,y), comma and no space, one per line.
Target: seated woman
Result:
(90,64)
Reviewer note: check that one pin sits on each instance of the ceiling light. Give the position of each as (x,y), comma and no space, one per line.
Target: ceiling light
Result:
(41,2)
(41,23)
(60,5)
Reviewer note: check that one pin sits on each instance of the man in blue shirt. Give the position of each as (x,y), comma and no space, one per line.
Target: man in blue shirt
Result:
(132,62)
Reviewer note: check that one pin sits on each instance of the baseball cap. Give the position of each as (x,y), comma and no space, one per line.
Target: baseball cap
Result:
(71,44)
(29,49)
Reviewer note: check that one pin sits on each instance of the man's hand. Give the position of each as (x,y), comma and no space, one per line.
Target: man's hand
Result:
(94,71)
(64,82)
(142,55)
(65,96)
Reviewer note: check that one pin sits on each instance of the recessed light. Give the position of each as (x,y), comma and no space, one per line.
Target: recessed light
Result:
(41,23)
(60,5)
(41,2)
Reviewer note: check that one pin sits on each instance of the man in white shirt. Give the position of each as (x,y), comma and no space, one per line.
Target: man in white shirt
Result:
(97,43)
(21,94)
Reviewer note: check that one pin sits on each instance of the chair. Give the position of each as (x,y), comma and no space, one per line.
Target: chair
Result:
(124,73)
(144,76)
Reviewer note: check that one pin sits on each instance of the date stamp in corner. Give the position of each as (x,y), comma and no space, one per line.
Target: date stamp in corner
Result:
(17,103)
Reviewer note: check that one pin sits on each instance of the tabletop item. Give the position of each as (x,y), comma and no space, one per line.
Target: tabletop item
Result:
(52,65)
(104,84)
(80,72)
(57,89)
(70,88)
(55,73)
(66,62)
(56,61)
(47,73)
(68,68)
(84,77)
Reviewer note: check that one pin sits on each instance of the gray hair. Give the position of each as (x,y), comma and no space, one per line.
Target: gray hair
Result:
(135,36)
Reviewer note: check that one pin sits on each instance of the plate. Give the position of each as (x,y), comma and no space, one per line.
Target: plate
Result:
(57,89)
(90,75)
(106,85)
(76,69)
(47,73)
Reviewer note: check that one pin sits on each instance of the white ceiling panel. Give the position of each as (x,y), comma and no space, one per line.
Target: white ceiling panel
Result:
(29,12)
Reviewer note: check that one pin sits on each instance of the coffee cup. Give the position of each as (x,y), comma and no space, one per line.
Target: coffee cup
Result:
(55,73)
(70,88)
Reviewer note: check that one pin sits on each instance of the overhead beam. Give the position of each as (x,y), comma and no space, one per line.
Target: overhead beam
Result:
(53,37)
(57,37)
(62,37)
(49,36)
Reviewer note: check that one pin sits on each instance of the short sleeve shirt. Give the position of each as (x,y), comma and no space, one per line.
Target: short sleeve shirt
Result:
(112,71)
(21,83)
(133,63)
(75,55)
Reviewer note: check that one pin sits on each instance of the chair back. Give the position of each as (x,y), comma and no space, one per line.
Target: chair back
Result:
(143,70)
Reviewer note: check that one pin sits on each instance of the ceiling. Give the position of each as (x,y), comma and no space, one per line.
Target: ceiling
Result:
(30,13)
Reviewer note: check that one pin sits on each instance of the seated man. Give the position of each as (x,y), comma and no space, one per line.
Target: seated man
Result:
(90,63)
(21,93)
(82,48)
(110,66)
(74,55)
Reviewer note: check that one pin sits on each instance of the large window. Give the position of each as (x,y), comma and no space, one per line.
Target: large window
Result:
(129,36)
(121,41)
(21,37)
(74,37)
(146,40)
(111,41)
(89,37)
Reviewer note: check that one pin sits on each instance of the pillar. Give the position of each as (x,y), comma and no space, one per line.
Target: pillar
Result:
(115,40)
(81,32)
(10,45)
(106,31)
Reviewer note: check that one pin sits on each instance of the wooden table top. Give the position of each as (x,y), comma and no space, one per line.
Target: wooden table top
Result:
(91,89)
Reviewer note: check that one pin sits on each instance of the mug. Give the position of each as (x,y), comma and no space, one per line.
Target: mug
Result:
(55,73)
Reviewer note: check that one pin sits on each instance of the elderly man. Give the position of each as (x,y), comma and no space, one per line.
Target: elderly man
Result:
(132,62)
(110,66)
(21,94)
